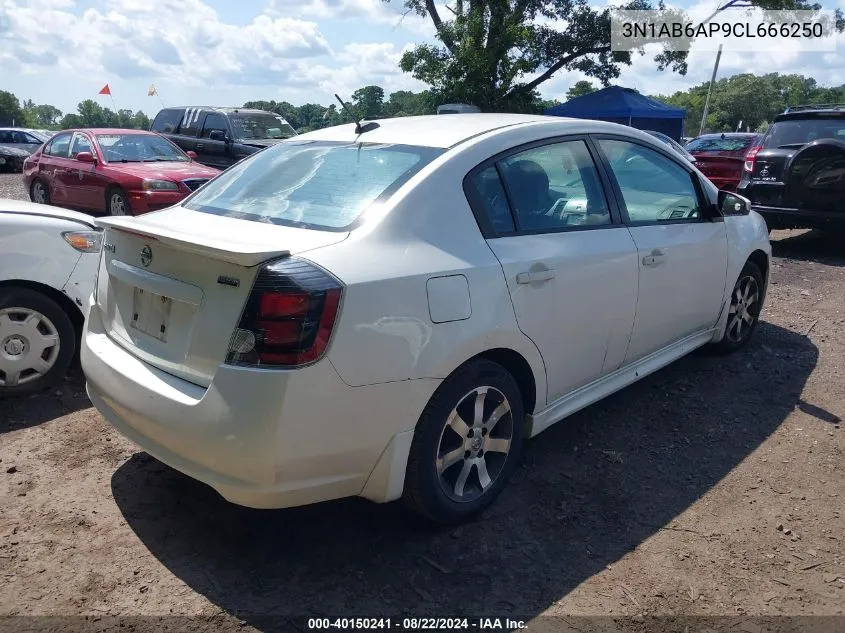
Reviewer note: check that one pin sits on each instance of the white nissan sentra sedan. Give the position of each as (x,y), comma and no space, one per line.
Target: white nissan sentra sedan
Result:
(390,311)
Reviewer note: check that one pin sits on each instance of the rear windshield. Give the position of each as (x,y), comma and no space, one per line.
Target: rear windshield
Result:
(794,133)
(718,144)
(311,184)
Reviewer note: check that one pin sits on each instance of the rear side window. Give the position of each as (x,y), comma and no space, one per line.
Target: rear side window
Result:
(555,186)
(312,184)
(718,144)
(190,121)
(794,133)
(58,146)
(167,121)
(489,194)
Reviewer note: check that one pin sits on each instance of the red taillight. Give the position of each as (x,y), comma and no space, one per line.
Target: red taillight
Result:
(750,157)
(289,317)
(280,304)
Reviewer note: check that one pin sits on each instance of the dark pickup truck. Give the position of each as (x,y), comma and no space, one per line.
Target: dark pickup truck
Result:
(221,136)
(796,177)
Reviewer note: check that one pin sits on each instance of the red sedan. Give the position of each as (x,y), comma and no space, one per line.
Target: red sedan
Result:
(721,157)
(119,172)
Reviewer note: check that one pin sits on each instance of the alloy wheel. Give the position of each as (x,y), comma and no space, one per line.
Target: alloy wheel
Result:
(744,309)
(116,205)
(474,444)
(39,193)
(29,346)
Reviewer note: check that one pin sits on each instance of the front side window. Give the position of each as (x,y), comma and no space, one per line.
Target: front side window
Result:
(80,144)
(313,184)
(654,187)
(260,125)
(59,146)
(138,148)
(213,122)
(555,186)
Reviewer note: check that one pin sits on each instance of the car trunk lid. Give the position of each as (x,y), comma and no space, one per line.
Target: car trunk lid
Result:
(172,284)
(720,164)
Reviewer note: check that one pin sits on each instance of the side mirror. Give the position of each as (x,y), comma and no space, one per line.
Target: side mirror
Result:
(86,157)
(217,135)
(191,154)
(731,203)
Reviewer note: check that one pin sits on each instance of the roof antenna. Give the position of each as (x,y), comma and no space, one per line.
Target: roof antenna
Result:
(359,129)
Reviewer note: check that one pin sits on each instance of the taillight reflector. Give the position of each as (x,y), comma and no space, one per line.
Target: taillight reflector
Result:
(750,157)
(289,317)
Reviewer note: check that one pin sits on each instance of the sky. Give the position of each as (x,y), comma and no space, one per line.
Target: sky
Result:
(227,52)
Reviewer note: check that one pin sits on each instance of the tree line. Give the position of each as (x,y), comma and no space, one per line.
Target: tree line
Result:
(742,102)
(745,101)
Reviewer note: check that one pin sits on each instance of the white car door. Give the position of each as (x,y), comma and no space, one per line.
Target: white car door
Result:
(569,262)
(681,243)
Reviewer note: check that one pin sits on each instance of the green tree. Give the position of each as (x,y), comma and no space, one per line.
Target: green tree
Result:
(580,88)
(41,116)
(141,121)
(369,101)
(407,103)
(11,112)
(495,54)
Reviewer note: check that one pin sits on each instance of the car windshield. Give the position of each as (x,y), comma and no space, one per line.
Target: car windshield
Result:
(311,184)
(138,148)
(260,126)
(798,132)
(719,144)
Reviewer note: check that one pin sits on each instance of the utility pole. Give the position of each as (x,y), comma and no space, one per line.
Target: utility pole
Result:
(710,90)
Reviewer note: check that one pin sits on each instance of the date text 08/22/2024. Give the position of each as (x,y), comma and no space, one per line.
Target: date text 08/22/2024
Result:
(415,624)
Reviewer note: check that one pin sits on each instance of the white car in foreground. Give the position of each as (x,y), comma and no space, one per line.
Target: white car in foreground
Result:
(48,261)
(391,311)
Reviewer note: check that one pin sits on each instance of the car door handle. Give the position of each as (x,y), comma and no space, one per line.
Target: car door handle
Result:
(200,146)
(655,258)
(535,276)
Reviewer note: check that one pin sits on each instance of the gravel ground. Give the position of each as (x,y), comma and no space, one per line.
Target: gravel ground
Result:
(714,487)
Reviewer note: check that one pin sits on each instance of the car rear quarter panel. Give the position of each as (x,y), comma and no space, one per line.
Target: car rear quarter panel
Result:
(385,331)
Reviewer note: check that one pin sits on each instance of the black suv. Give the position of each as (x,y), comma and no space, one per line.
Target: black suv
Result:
(796,178)
(221,136)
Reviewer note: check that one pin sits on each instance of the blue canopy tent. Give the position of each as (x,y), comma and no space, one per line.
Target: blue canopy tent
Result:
(626,106)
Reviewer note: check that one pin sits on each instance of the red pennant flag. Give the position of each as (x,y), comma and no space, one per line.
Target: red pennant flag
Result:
(106,90)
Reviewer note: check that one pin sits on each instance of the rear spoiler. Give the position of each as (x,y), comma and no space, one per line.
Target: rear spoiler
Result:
(239,253)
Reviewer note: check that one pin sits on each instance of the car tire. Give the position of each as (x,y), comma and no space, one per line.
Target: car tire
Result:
(746,303)
(117,202)
(455,468)
(39,192)
(25,317)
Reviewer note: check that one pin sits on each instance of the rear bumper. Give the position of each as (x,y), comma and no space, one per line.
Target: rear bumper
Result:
(784,218)
(263,439)
(146,201)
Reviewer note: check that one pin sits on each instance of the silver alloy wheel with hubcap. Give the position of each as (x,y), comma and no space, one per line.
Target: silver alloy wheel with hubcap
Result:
(39,192)
(29,346)
(744,308)
(116,204)
(474,444)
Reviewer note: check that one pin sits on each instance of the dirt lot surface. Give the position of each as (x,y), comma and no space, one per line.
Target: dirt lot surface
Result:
(714,487)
